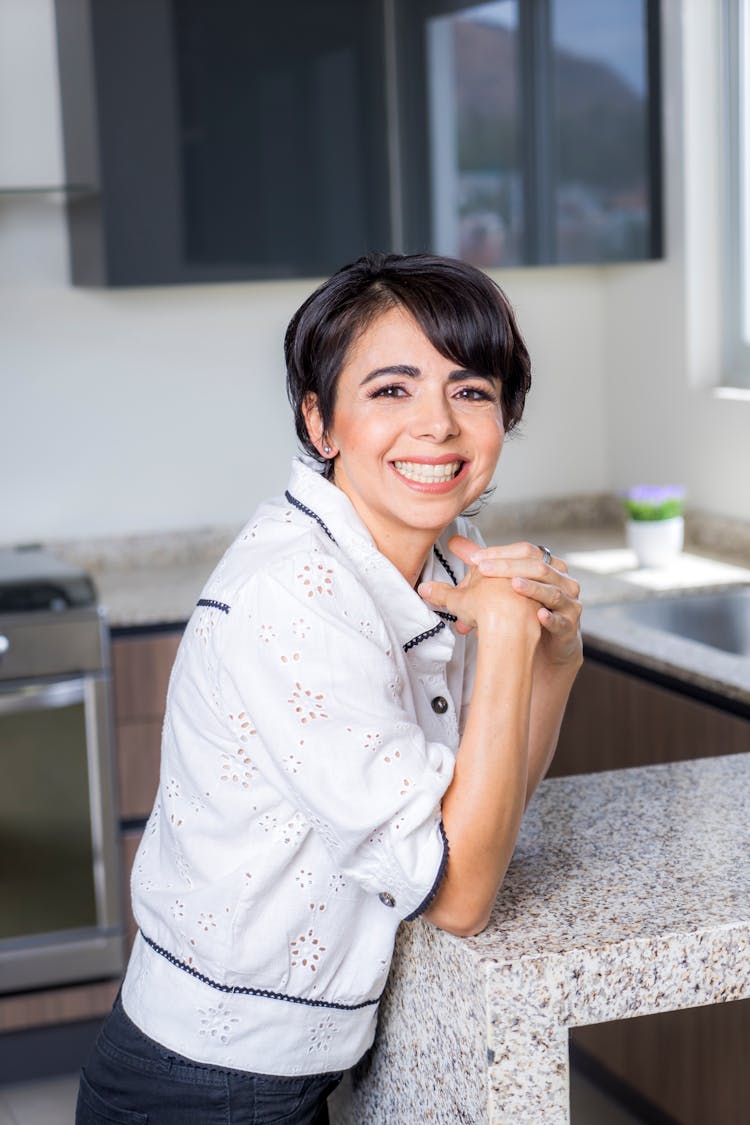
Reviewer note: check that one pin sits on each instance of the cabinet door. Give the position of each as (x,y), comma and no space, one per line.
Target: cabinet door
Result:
(236,140)
(691,1065)
(141,667)
(615,719)
(530,130)
(56,1005)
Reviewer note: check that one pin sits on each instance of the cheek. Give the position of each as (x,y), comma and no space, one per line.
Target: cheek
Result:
(492,437)
(359,433)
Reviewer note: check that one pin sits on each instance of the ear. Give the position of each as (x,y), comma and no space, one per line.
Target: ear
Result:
(314,424)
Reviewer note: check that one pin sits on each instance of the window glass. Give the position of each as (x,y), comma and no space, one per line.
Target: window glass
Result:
(543,130)
(476,174)
(743,118)
(600,96)
(736,272)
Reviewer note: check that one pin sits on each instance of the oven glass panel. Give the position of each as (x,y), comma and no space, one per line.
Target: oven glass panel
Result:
(46,856)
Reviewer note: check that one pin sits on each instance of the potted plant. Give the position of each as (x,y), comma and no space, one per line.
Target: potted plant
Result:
(655,525)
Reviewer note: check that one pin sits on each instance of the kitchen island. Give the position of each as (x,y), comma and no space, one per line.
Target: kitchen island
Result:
(628,894)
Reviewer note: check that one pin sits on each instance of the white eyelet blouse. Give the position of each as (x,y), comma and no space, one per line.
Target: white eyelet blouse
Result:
(311,728)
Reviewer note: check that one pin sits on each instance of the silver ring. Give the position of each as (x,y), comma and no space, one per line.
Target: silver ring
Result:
(546,554)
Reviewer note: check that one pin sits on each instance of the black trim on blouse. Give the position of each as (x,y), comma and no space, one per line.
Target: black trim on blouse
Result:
(308,512)
(449,571)
(445,565)
(424,636)
(239,990)
(211,604)
(438,879)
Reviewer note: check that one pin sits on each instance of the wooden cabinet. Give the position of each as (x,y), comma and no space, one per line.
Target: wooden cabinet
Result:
(688,1065)
(56,1005)
(141,665)
(616,719)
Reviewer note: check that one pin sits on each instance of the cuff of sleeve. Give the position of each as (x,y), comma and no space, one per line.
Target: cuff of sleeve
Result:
(438,879)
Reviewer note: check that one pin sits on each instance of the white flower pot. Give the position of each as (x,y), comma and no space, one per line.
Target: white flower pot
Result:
(656,542)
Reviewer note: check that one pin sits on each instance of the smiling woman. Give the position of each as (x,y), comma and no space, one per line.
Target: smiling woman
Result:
(361,706)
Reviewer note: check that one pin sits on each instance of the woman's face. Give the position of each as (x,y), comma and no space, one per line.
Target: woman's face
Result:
(416,437)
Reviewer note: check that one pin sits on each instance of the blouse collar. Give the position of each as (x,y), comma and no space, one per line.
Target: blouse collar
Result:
(420,629)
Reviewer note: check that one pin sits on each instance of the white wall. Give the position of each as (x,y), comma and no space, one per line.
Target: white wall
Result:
(154,409)
(141,410)
(662,321)
(31,152)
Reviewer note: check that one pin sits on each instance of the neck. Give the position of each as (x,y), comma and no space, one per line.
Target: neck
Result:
(409,558)
(408,548)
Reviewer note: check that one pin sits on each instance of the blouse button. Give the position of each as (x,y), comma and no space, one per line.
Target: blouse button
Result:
(387,899)
(439,705)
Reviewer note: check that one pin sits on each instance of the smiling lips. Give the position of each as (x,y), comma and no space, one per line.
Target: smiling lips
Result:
(419,472)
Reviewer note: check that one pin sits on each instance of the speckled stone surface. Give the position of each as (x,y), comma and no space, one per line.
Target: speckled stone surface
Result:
(628,894)
(146,580)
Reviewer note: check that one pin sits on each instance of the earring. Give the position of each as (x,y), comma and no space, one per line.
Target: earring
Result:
(326,449)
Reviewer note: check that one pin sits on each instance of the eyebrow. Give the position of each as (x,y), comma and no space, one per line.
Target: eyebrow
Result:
(414,373)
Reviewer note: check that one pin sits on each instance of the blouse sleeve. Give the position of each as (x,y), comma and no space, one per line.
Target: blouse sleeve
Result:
(310,659)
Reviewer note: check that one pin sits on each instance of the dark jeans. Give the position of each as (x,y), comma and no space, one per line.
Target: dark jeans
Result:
(131,1080)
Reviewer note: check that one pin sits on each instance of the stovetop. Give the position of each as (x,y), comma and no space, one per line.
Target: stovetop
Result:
(32,578)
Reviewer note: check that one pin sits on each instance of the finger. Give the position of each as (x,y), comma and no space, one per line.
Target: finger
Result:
(529,568)
(555,623)
(521,550)
(471,552)
(436,593)
(550,596)
(462,547)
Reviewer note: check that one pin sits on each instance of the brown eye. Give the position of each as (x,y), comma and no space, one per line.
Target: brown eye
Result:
(391,390)
(475,394)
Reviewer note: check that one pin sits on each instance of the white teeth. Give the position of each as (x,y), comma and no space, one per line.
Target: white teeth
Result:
(427,474)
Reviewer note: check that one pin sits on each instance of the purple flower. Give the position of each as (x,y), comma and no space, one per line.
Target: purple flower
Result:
(654,493)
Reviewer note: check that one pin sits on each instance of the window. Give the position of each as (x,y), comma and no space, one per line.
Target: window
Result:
(541,126)
(736,303)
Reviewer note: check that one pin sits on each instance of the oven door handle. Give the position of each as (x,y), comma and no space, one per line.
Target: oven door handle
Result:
(42,697)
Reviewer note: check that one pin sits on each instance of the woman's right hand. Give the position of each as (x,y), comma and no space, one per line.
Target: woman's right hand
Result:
(488,604)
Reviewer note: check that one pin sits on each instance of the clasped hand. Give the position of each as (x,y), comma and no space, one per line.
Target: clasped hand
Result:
(547,586)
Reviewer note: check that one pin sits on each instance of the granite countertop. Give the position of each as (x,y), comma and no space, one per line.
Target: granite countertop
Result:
(156,580)
(150,580)
(628,894)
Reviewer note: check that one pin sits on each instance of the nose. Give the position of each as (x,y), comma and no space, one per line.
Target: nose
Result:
(434,418)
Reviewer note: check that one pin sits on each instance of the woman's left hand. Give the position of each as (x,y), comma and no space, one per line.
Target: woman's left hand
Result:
(549,584)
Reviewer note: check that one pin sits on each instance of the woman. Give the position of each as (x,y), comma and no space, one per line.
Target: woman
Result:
(362,704)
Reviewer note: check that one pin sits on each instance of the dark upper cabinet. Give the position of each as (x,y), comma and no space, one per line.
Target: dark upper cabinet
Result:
(532,129)
(227,139)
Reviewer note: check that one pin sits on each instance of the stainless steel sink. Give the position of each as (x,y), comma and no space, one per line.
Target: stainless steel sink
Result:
(720,620)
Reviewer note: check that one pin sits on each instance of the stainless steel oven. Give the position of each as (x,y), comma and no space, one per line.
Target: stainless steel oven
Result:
(60,912)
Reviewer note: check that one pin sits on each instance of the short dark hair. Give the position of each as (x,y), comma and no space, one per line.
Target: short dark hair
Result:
(463,313)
